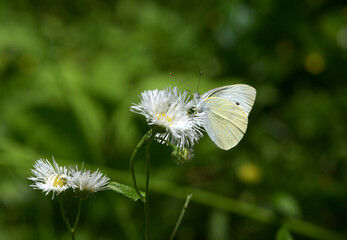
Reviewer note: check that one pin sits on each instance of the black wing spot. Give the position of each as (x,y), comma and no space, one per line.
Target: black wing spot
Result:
(237,103)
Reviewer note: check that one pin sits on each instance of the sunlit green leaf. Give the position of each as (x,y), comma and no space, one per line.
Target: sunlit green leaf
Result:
(126,190)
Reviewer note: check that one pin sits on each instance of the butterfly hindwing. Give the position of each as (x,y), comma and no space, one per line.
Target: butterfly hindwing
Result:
(225,122)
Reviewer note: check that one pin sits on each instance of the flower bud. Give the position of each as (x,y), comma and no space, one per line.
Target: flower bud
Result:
(182,155)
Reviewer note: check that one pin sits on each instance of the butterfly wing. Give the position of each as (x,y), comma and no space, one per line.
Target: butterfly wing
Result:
(240,94)
(225,122)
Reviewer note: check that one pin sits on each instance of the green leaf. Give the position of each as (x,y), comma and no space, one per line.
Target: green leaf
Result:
(126,191)
(284,234)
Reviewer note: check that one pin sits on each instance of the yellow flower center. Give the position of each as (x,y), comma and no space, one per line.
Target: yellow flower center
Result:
(57,181)
(164,117)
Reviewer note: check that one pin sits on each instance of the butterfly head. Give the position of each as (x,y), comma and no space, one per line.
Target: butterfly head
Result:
(197,96)
(199,104)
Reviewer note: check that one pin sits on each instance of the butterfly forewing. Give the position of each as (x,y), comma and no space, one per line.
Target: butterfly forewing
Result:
(240,94)
(225,122)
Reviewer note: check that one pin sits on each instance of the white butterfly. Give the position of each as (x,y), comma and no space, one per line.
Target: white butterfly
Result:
(226,113)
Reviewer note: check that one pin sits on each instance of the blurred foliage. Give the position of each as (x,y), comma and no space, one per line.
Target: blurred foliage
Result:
(284,234)
(70,70)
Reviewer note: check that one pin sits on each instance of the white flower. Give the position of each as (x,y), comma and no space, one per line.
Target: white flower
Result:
(87,182)
(50,178)
(168,111)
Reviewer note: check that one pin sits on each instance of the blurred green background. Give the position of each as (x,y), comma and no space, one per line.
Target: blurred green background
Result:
(70,70)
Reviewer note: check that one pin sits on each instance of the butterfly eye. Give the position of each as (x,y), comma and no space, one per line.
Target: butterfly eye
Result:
(192,111)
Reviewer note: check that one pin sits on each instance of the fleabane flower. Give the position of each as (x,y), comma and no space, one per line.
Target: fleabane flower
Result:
(168,112)
(86,182)
(50,178)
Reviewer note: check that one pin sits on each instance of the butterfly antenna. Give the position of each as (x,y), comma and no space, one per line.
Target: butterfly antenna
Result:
(197,89)
(181,80)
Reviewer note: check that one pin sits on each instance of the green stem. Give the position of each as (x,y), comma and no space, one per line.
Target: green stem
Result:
(66,220)
(77,215)
(144,138)
(179,220)
(147,209)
